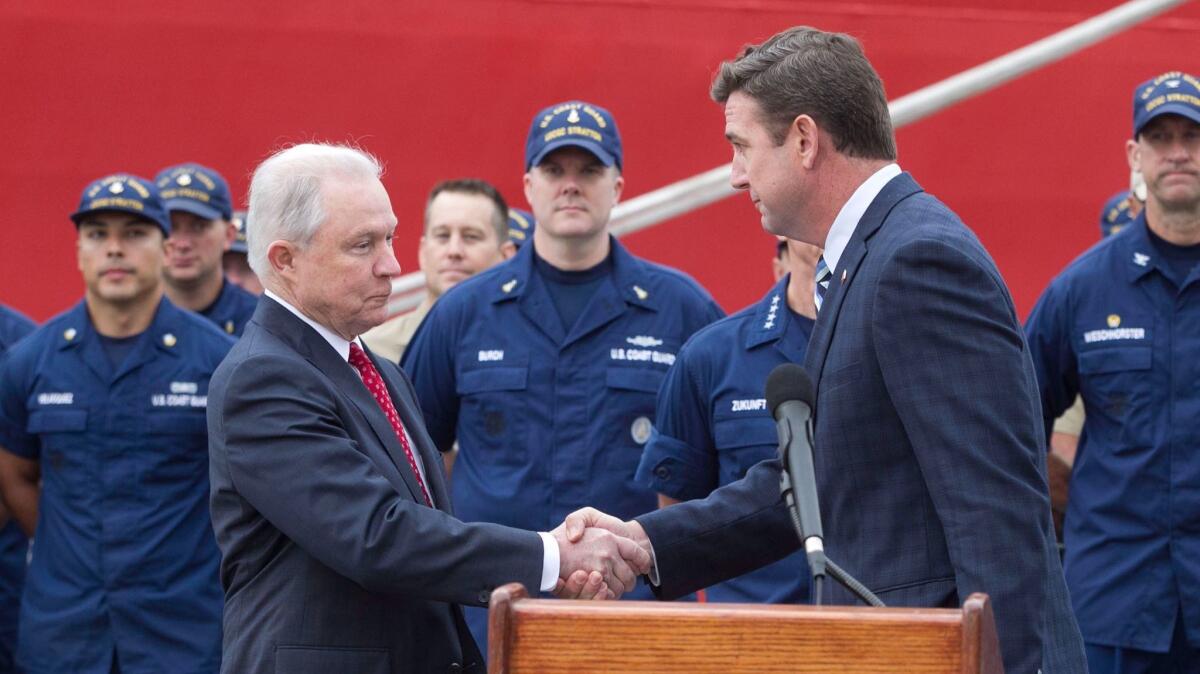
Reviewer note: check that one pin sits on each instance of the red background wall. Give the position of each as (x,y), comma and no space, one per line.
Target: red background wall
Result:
(443,90)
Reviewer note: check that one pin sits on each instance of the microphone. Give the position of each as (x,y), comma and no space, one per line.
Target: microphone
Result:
(790,398)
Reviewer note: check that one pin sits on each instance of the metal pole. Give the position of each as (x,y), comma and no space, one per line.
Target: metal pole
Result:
(700,190)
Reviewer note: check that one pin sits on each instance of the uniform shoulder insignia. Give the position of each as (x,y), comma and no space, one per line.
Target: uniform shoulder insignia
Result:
(169,340)
(508,287)
(69,334)
(641,294)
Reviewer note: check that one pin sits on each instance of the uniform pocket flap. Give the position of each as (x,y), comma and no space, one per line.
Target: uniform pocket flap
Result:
(57,421)
(748,432)
(634,379)
(1121,359)
(493,379)
(177,424)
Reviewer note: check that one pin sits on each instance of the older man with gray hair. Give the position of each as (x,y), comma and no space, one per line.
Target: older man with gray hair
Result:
(339,549)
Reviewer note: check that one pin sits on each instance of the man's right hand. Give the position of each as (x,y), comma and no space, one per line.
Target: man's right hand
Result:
(618,559)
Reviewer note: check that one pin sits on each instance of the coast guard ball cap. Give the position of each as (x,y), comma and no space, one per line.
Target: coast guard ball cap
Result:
(574,123)
(125,193)
(1172,93)
(195,189)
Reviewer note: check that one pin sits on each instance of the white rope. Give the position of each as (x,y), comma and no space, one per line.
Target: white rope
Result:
(703,189)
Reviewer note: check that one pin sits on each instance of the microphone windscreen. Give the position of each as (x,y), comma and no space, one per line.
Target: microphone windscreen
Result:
(788,381)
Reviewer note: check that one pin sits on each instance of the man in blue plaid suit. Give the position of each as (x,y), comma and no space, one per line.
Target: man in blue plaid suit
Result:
(930,455)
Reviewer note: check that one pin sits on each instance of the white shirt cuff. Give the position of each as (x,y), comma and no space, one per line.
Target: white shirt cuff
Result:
(550,562)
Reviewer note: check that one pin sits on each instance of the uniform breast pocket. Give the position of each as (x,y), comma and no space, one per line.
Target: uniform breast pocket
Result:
(1117,382)
(490,416)
(742,443)
(177,424)
(628,413)
(65,444)
(178,443)
(48,422)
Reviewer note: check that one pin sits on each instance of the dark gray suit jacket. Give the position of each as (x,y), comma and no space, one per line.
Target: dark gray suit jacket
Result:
(330,560)
(929,449)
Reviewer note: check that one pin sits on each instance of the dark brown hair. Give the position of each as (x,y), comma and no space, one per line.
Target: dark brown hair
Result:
(805,71)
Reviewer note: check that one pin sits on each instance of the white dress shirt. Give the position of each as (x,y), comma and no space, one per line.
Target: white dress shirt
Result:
(550,555)
(852,211)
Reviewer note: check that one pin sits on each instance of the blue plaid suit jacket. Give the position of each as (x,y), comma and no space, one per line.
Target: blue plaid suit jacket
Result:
(929,445)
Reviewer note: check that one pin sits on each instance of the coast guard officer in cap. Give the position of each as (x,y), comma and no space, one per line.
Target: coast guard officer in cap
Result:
(545,367)
(14,546)
(197,198)
(1120,210)
(105,454)
(520,226)
(235,261)
(1121,327)
(713,424)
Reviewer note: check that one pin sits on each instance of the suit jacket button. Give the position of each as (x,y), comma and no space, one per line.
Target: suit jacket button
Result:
(454,668)
(662,472)
(485,597)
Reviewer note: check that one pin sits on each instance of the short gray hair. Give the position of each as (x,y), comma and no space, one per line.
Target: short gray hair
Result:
(286,201)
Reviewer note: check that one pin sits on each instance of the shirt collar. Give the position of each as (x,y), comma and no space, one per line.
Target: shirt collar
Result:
(847,219)
(335,340)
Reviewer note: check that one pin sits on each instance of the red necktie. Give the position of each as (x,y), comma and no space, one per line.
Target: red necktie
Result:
(374,382)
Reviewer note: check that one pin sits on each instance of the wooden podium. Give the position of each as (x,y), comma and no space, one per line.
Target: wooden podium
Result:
(551,635)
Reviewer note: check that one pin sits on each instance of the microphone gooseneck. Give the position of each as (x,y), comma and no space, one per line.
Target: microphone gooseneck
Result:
(790,397)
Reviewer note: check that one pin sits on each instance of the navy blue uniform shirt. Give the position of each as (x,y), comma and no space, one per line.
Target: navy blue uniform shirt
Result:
(549,420)
(1115,329)
(232,309)
(125,559)
(14,546)
(712,424)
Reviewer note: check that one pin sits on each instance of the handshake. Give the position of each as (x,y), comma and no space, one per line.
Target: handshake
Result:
(600,556)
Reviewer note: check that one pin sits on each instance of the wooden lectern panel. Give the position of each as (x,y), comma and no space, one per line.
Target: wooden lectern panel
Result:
(545,635)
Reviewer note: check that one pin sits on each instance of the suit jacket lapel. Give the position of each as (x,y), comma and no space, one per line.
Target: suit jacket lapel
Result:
(422,444)
(852,257)
(317,351)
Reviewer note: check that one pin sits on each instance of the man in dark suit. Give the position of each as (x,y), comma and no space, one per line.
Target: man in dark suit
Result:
(339,549)
(929,453)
